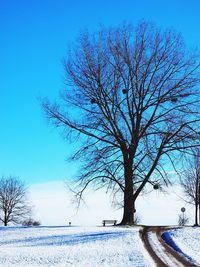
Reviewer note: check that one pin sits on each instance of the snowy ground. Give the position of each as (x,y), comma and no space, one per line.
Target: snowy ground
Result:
(188,240)
(72,246)
(85,246)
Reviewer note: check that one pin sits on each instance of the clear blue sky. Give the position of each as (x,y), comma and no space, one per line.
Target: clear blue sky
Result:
(33,39)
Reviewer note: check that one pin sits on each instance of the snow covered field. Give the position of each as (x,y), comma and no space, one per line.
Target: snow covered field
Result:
(85,246)
(72,246)
(188,240)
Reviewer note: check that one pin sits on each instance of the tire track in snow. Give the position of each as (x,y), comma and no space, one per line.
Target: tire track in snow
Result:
(162,254)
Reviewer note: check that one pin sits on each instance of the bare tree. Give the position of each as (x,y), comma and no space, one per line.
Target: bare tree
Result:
(132,98)
(13,202)
(190,183)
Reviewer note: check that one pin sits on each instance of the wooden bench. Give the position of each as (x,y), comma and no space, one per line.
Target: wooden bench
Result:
(113,222)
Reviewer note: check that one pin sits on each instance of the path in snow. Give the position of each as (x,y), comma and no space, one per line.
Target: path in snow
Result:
(163,255)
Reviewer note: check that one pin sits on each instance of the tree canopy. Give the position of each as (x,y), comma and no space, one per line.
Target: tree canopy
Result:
(132,96)
(14,205)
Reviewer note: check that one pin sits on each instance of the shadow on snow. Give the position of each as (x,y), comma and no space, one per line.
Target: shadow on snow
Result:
(59,240)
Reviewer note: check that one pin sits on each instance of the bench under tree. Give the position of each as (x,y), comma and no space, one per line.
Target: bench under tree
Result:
(113,222)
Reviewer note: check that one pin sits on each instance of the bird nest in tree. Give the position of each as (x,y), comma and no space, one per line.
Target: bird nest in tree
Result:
(156,186)
(93,101)
(124,91)
(174,99)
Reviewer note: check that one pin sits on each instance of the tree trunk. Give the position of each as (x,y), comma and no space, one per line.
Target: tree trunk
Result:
(197,202)
(129,204)
(129,207)
(196,213)
(5,219)
(198,199)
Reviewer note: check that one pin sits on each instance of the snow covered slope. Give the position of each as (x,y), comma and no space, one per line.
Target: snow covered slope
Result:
(72,246)
(188,240)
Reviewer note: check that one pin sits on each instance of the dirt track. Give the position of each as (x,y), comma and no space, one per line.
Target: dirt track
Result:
(156,247)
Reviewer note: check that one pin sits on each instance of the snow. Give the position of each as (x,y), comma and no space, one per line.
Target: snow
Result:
(188,240)
(72,246)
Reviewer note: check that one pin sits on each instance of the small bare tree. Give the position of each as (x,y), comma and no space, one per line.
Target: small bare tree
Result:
(182,219)
(31,222)
(190,182)
(13,201)
(132,97)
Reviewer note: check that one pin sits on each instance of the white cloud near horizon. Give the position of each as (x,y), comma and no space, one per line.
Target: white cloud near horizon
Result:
(53,206)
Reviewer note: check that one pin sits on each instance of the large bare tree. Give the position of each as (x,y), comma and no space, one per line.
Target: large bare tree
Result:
(190,182)
(14,206)
(131,96)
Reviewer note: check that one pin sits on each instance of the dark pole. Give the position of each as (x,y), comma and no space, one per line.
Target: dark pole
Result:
(183,210)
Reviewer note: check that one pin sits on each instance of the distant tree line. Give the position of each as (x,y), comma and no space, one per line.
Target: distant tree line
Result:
(31,222)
